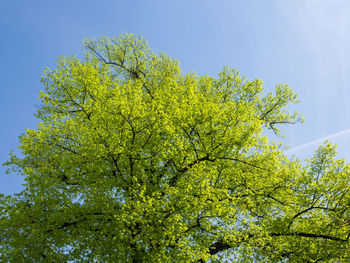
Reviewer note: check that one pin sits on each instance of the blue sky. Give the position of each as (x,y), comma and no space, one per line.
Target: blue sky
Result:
(304,43)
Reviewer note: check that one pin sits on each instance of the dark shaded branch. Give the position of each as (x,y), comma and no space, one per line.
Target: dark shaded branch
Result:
(220,245)
(135,73)
(174,179)
(244,162)
(310,235)
(278,103)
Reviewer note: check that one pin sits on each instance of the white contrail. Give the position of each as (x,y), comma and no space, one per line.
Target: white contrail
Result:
(321,140)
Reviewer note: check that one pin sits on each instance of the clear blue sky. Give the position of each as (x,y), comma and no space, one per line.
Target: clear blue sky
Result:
(304,43)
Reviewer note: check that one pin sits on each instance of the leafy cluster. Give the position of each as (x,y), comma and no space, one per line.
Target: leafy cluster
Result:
(134,161)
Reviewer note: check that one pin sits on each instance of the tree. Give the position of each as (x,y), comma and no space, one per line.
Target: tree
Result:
(134,161)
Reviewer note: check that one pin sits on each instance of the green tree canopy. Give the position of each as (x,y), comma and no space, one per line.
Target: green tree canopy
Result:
(134,161)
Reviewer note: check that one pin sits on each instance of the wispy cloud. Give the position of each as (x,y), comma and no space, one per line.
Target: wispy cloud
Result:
(319,141)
